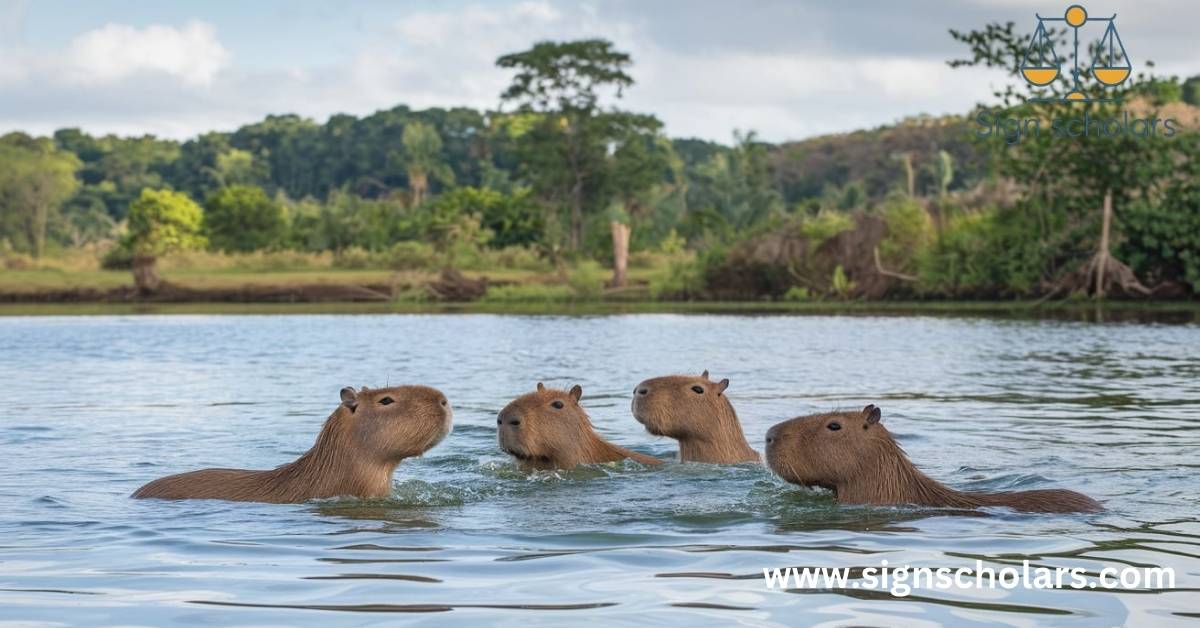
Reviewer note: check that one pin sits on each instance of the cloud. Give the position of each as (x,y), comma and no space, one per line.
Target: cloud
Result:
(116,52)
(786,68)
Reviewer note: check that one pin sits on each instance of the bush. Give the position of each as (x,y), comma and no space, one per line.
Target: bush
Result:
(825,225)
(530,293)
(684,279)
(909,232)
(258,261)
(587,280)
(243,218)
(988,253)
(412,255)
(119,257)
(1162,237)
(354,258)
(798,294)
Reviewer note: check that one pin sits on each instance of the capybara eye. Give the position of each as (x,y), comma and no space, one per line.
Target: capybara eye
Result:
(698,390)
(386,401)
(835,426)
(558,405)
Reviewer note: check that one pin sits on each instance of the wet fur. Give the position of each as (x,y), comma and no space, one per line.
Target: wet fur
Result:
(543,437)
(355,453)
(863,464)
(705,424)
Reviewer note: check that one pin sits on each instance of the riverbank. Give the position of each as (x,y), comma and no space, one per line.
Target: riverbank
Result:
(513,291)
(1084,311)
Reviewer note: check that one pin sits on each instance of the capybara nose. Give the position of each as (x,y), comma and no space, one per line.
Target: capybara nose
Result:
(643,391)
(508,418)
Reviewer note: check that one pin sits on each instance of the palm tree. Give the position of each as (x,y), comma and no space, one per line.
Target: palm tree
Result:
(423,159)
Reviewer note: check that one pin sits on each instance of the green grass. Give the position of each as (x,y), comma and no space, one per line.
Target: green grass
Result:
(1173,311)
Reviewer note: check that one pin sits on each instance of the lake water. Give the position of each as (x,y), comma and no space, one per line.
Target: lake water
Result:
(93,407)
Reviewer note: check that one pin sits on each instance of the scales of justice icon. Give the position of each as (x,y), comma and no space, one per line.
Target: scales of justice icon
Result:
(1110,65)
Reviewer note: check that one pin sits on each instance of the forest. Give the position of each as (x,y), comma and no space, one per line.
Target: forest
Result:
(580,199)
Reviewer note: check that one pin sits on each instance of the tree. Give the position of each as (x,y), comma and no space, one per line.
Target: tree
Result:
(641,160)
(243,218)
(1093,177)
(562,82)
(1191,91)
(423,159)
(160,222)
(35,180)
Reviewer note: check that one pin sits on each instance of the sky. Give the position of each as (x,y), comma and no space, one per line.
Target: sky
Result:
(786,69)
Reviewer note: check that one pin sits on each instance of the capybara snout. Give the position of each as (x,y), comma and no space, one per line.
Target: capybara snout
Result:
(549,429)
(696,412)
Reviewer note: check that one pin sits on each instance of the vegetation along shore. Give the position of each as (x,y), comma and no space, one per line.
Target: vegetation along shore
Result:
(559,198)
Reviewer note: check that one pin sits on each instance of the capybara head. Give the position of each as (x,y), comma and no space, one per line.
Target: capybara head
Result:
(545,427)
(828,449)
(682,406)
(390,424)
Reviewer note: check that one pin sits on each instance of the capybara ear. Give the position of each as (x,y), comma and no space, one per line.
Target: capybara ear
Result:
(349,397)
(721,385)
(872,414)
(704,374)
(576,392)
(541,387)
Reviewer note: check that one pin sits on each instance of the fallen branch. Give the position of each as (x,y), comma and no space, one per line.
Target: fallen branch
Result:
(889,273)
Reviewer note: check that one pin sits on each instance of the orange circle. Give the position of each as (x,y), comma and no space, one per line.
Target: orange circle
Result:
(1076,15)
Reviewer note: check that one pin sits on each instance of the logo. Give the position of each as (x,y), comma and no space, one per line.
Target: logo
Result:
(1110,67)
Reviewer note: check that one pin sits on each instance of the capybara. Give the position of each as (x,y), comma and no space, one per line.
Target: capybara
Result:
(548,429)
(358,448)
(854,455)
(696,412)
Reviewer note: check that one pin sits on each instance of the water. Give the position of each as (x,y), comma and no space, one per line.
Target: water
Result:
(93,407)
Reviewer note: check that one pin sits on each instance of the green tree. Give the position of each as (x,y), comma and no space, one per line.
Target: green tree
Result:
(1087,181)
(36,179)
(562,81)
(160,222)
(243,218)
(1191,91)
(423,159)
(640,161)
(513,219)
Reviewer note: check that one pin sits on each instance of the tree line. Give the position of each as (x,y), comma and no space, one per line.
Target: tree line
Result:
(561,170)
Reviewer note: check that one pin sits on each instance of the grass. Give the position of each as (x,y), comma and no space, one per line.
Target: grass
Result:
(1113,311)
(576,291)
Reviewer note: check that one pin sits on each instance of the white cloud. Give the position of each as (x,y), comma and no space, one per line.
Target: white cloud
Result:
(704,68)
(116,52)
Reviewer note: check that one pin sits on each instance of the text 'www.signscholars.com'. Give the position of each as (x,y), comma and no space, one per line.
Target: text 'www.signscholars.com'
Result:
(900,581)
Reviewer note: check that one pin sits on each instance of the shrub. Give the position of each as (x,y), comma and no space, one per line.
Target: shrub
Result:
(243,218)
(529,293)
(587,280)
(353,258)
(797,294)
(683,279)
(825,225)
(412,255)
(909,232)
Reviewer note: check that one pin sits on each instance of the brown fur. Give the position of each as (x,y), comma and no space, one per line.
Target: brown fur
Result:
(356,452)
(704,423)
(548,429)
(863,464)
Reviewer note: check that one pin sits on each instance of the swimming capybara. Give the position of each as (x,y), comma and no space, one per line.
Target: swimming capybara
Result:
(854,455)
(548,429)
(696,412)
(356,452)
